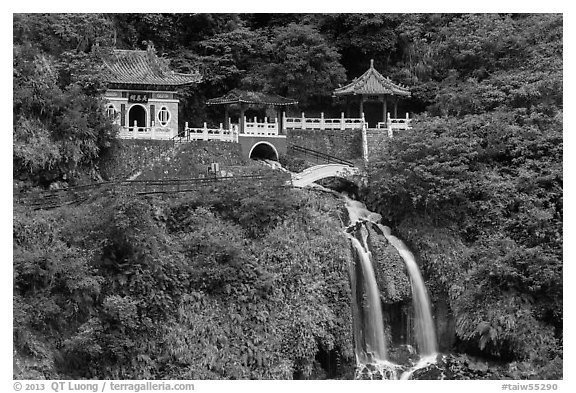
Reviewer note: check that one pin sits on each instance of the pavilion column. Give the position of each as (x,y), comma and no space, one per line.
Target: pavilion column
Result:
(384,109)
(347,106)
(226,118)
(396,108)
(280,120)
(241,120)
(361,105)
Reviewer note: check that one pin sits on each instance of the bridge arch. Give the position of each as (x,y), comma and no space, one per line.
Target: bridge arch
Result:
(340,184)
(264,150)
(318,172)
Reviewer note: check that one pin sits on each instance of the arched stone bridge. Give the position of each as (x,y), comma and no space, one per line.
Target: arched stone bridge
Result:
(318,172)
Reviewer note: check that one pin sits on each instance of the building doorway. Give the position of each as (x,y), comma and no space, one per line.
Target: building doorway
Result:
(373,113)
(137,114)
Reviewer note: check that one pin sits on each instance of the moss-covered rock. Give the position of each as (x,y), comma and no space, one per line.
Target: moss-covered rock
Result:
(389,269)
(460,367)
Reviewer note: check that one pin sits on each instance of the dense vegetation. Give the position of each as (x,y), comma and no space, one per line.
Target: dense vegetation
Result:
(475,189)
(476,186)
(208,286)
(60,130)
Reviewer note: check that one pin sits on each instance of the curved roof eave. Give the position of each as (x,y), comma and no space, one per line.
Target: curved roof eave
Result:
(372,83)
(143,67)
(238,96)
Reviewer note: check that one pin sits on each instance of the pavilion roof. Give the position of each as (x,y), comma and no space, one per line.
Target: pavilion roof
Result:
(143,67)
(238,96)
(372,82)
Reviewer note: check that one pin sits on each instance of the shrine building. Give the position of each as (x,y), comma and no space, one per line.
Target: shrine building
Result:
(142,94)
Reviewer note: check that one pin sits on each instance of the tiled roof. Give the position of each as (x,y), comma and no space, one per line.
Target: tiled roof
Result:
(238,96)
(143,67)
(372,82)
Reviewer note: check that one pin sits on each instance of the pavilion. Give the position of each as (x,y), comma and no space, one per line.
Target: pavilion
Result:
(244,99)
(373,87)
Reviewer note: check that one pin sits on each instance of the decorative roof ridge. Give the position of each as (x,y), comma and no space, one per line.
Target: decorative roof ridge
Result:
(359,83)
(251,97)
(145,67)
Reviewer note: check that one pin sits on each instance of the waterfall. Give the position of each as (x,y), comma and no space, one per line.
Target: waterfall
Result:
(425,336)
(367,310)
(370,309)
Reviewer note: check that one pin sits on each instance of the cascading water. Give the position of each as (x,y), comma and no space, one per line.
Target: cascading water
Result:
(370,343)
(374,348)
(425,337)
(371,352)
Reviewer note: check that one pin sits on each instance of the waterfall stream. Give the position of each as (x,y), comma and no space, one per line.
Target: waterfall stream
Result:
(371,314)
(370,342)
(371,353)
(425,337)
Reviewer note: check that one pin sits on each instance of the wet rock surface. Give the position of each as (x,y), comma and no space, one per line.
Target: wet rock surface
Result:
(390,270)
(454,367)
(404,355)
(377,371)
(404,365)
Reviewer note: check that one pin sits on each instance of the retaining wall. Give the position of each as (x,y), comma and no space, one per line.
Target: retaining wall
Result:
(377,143)
(345,144)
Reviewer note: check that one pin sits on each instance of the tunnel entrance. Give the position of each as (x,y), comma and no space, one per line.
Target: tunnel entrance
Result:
(263,151)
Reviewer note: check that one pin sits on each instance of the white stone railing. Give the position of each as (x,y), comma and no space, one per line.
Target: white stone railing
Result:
(395,124)
(135,132)
(210,134)
(265,128)
(322,123)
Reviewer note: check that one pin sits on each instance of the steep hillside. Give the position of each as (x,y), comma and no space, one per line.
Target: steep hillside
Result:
(238,280)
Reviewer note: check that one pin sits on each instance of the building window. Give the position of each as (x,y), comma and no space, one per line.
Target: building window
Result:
(111,112)
(163,116)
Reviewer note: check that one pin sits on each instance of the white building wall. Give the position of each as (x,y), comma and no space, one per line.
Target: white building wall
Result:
(153,129)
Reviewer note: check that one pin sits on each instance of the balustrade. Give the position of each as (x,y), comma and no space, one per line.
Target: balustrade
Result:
(342,123)
(266,128)
(395,124)
(272,128)
(137,132)
(322,123)
(210,134)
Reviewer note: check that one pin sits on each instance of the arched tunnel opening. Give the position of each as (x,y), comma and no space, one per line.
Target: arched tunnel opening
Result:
(263,151)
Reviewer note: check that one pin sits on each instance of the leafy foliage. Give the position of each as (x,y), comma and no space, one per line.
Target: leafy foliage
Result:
(478,191)
(59,125)
(302,64)
(214,290)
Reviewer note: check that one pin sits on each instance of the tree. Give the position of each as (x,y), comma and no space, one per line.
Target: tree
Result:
(302,64)
(59,124)
(361,37)
(476,186)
